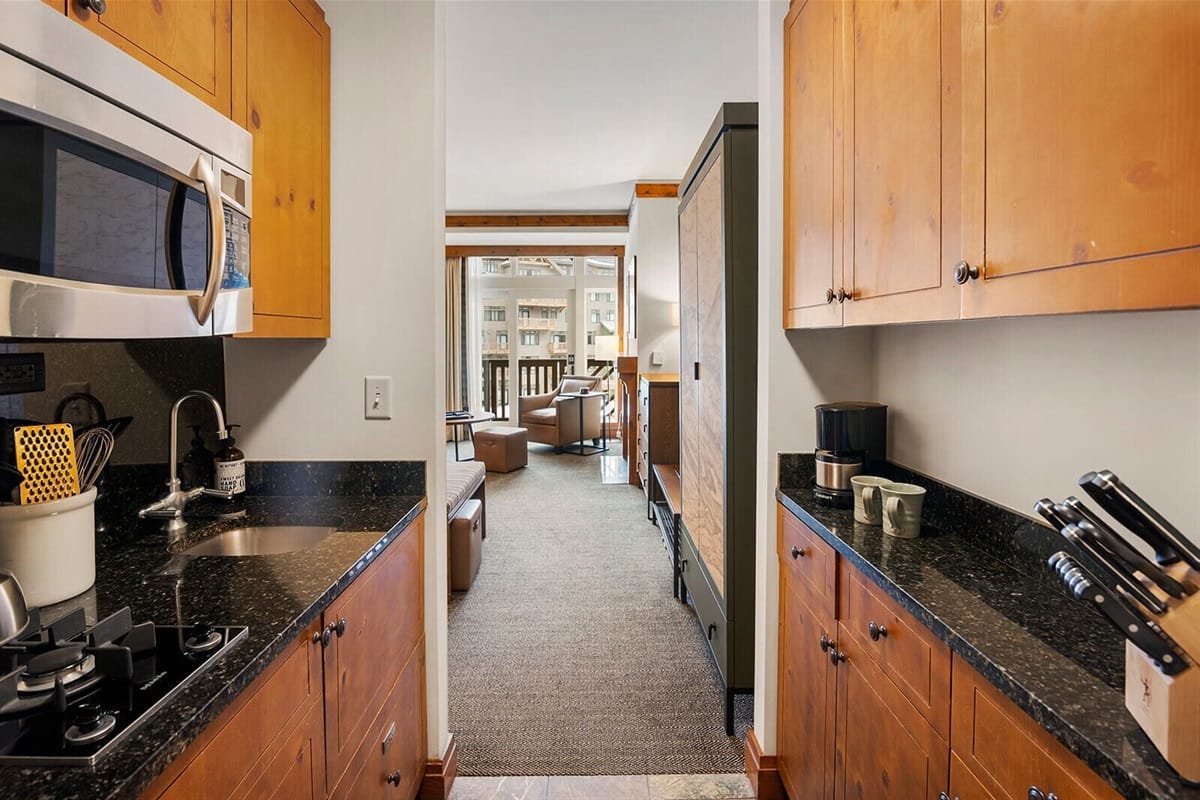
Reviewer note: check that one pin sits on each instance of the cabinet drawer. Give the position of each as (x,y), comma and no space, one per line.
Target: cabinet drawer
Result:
(810,561)
(232,753)
(384,620)
(912,657)
(712,619)
(1007,751)
(395,746)
(297,772)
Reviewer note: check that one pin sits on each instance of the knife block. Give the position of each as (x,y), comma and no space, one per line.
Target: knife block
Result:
(1168,708)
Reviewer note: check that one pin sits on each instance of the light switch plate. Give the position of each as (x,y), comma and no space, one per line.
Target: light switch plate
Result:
(656,358)
(377,397)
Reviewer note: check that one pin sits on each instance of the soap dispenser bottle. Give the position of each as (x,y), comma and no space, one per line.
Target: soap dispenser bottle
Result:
(230,466)
(197,467)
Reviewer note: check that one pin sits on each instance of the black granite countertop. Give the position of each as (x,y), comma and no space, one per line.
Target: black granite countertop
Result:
(977,578)
(275,596)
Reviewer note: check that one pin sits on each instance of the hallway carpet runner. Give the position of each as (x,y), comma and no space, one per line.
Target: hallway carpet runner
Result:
(568,656)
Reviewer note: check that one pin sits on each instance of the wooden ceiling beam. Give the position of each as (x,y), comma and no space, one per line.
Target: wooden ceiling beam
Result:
(537,220)
(656,190)
(475,250)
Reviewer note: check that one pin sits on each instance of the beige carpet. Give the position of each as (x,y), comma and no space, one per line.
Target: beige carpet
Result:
(569,655)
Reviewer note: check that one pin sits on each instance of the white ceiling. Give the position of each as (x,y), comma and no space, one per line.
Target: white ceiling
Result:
(561,105)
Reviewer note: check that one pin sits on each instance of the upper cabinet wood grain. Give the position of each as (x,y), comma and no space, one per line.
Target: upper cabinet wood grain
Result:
(1064,176)
(283,100)
(1090,191)
(902,184)
(187,42)
(811,161)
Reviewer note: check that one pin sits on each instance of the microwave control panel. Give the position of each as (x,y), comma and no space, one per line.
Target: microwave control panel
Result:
(237,250)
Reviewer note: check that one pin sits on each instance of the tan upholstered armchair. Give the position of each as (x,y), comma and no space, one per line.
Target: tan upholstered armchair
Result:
(551,419)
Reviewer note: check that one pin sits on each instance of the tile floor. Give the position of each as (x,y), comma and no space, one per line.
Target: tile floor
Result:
(734,786)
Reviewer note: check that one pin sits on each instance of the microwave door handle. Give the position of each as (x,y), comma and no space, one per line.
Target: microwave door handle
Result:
(216,222)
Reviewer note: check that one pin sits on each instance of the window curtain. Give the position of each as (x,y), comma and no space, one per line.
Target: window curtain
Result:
(456,341)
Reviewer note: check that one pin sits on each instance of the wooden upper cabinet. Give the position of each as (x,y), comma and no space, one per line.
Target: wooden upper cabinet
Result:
(188,42)
(1090,192)
(283,100)
(812,174)
(902,182)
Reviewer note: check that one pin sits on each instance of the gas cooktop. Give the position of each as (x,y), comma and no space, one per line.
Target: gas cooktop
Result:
(70,693)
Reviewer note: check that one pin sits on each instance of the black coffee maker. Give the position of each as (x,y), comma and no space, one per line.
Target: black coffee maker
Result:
(851,440)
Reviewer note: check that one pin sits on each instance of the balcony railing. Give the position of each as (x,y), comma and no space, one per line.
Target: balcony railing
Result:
(539,324)
(536,376)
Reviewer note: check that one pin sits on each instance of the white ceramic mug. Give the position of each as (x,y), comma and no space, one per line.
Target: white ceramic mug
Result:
(902,509)
(868,506)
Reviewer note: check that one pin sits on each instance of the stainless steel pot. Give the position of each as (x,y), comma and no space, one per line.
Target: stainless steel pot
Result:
(14,616)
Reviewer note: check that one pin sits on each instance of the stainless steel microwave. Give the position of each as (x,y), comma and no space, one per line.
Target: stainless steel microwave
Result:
(125,203)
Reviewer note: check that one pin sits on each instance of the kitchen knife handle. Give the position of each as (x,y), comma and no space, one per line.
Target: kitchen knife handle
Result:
(1143,565)
(1144,633)
(1124,552)
(1103,493)
(1117,575)
(1183,547)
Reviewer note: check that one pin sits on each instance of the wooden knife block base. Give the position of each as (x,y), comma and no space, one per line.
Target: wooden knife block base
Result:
(1168,708)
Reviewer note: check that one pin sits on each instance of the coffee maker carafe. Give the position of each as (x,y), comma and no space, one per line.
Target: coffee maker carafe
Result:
(851,440)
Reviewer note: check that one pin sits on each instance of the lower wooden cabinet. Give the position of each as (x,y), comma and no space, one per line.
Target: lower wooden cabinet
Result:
(1007,752)
(885,748)
(391,761)
(872,705)
(806,694)
(340,712)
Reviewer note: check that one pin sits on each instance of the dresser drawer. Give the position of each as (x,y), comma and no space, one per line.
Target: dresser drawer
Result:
(708,609)
(1008,752)
(810,561)
(915,660)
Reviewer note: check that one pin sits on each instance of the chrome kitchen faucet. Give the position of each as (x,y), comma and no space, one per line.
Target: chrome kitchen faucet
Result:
(170,508)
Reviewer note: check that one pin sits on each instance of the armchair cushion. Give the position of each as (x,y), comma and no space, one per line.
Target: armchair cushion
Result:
(540,416)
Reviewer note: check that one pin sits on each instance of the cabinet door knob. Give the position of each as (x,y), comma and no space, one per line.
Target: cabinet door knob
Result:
(876,631)
(843,295)
(944,796)
(340,628)
(825,642)
(797,552)
(964,272)
(327,635)
(1037,794)
(395,778)
(97,6)
(829,296)
(836,656)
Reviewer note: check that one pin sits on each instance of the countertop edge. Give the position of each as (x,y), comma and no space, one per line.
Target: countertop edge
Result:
(173,747)
(1044,715)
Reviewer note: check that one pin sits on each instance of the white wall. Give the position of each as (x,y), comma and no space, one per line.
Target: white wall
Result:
(654,239)
(795,370)
(1017,409)
(303,400)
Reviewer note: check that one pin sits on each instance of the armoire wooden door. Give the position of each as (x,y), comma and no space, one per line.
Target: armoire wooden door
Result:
(689,360)
(901,162)
(807,696)
(812,185)
(190,43)
(1087,199)
(703,436)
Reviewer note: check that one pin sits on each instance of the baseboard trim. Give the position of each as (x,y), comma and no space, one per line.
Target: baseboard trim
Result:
(440,774)
(763,772)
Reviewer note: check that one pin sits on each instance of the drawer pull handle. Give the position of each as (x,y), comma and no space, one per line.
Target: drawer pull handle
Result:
(797,552)
(395,778)
(826,643)
(712,630)
(876,632)
(836,656)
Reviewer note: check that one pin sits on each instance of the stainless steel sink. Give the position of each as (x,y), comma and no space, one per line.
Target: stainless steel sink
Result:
(262,541)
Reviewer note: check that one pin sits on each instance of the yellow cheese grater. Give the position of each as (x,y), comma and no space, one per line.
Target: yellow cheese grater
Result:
(46,457)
